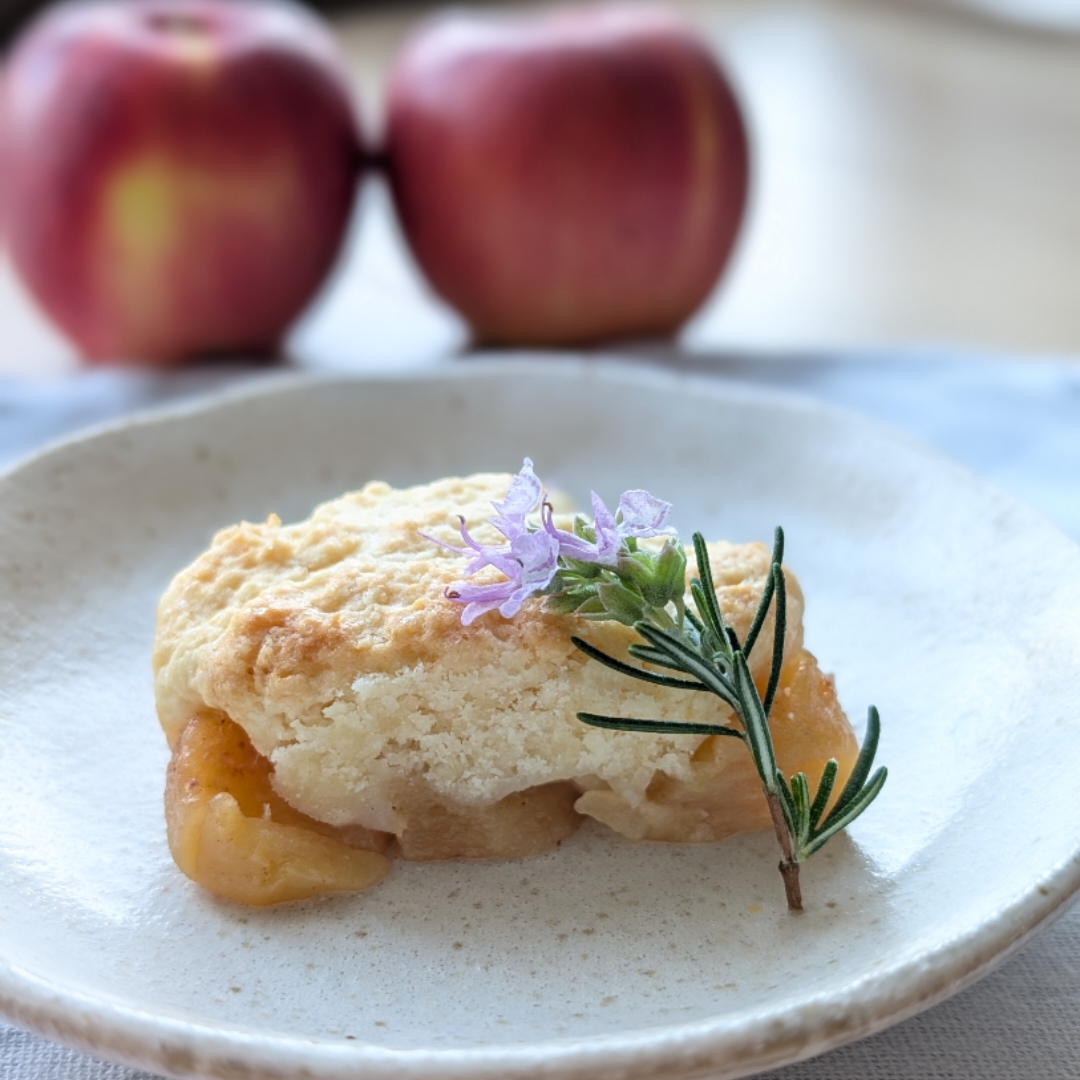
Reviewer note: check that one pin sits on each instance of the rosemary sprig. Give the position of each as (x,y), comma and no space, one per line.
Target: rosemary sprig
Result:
(706,650)
(599,571)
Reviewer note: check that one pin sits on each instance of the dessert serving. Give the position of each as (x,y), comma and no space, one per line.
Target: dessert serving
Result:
(335,695)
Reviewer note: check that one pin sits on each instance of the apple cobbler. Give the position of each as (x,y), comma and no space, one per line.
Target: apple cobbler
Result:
(328,711)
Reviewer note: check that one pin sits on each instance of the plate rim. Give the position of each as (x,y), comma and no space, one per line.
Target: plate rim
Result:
(729,1047)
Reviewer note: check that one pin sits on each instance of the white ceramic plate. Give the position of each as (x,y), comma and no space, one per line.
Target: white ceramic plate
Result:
(950,606)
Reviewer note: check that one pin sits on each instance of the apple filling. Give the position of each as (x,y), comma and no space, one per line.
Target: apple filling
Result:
(229,831)
(232,833)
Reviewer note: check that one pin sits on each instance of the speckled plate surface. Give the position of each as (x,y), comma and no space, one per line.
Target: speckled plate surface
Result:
(953,608)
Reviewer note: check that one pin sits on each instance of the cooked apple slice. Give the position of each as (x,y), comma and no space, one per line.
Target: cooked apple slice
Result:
(230,832)
(524,823)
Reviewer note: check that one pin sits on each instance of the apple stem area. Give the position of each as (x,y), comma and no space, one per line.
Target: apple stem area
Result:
(177,24)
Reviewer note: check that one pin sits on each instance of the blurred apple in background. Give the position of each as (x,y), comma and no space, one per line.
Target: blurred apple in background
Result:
(179,172)
(568,178)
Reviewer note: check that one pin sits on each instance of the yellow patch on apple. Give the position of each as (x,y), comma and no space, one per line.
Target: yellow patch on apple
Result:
(152,206)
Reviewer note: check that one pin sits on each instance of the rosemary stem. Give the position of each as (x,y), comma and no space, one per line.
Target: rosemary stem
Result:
(789,865)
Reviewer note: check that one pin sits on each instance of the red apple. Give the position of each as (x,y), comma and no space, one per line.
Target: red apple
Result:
(568,178)
(180,172)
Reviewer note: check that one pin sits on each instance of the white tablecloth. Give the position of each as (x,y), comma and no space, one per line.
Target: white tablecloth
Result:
(1017,422)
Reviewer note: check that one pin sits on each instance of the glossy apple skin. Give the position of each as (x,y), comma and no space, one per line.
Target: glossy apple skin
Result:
(180,172)
(568,179)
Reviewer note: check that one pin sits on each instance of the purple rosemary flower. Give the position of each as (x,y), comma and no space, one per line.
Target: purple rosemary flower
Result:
(640,515)
(522,498)
(530,559)
(643,515)
(532,562)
